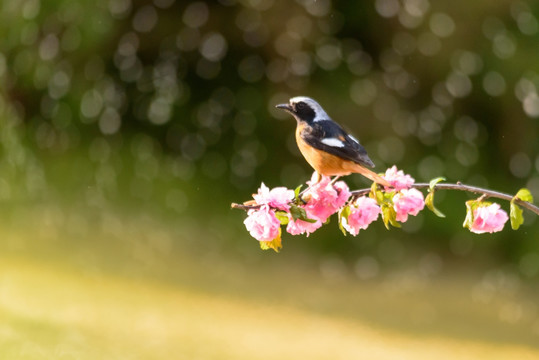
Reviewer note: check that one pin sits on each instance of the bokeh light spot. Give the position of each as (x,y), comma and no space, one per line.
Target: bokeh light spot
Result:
(531,105)
(213,46)
(441,25)
(467,62)
(110,121)
(391,150)
(387,8)
(145,19)
(527,23)
(494,83)
(404,43)
(492,26)
(317,8)
(430,167)
(91,104)
(119,8)
(363,92)
(458,84)
(49,47)
(164,4)
(31,9)
(428,44)
(196,14)
(503,46)
(467,154)
(520,165)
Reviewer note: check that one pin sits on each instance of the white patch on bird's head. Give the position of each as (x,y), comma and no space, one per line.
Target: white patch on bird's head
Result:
(320,114)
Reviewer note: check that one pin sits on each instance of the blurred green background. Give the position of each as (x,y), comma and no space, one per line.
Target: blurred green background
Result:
(128,127)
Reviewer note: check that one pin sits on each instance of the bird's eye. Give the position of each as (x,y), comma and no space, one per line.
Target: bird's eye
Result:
(300,106)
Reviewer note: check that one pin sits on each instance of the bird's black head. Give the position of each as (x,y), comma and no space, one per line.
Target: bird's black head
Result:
(304,109)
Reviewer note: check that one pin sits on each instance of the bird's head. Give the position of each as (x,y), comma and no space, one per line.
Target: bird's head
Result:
(304,109)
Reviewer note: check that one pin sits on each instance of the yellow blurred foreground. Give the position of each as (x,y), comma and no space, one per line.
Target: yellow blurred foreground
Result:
(54,312)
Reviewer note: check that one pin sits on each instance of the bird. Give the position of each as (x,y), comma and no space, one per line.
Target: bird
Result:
(326,146)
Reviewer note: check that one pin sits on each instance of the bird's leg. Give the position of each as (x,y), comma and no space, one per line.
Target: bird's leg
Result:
(334,180)
(318,178)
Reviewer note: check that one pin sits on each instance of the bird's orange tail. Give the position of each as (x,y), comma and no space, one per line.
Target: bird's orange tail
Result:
(369,174)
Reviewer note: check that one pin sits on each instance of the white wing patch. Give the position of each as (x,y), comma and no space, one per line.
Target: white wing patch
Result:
(333,142)
(353,138)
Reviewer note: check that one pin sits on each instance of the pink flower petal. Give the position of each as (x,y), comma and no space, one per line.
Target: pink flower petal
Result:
(408,202)
(277,198)
(326,199)
(262,224)
(362,212)
(398,179)
(489,219)
(297,227)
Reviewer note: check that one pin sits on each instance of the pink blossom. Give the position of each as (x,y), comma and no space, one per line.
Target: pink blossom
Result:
(488,219)
(408,202)
(344,193)
(262,224)
(296,227)
(362,212)
(398,179)
(324,198)
(277,198)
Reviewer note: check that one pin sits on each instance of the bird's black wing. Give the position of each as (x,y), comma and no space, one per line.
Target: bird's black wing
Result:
(328,136)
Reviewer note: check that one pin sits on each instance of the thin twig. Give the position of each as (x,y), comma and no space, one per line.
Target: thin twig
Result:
(458,186)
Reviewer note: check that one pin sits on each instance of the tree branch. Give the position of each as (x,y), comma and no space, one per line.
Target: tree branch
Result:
(458,186)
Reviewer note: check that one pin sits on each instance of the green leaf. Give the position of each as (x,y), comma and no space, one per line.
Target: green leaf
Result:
(300,213)
(468,221)
(282,217)
(343,214)
(376,194)
(429,201)
(389,216)
(435,181)
(275,244)
(515,215)
(524,195)
(297,191)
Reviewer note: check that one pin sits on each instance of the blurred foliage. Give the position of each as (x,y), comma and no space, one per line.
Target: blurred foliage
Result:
(167,107)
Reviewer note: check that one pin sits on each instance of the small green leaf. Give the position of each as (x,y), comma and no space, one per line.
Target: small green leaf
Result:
(343,214)
(275,244)
(389,216)
(515,215)
(282,217)
(297,191)
(296,212)
(429,201)
(524,195)
(435,181)
(468,221)
(299,213)
(376,194)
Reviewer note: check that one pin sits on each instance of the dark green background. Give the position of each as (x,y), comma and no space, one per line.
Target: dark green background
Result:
(166,109)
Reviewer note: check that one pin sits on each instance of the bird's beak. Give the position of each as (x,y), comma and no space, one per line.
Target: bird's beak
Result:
(286,107)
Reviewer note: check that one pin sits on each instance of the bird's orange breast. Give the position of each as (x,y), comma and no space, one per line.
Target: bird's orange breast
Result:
(323,162)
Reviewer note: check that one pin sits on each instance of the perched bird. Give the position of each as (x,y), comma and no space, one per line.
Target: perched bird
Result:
(326,146)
